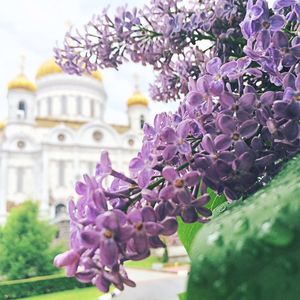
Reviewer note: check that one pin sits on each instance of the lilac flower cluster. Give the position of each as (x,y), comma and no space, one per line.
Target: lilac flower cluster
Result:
(166,34)
(122,222)
(218,139)
(272,40)
(238,123)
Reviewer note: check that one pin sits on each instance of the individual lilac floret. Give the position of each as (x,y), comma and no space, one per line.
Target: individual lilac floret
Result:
(177,189)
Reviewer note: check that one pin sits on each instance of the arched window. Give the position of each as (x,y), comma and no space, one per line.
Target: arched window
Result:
(60,209)
(63,105)
(142,121)
(22,109)
(79,105)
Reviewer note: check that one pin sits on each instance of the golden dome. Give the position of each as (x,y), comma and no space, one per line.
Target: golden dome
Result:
(137,99)
(21,82)
(48,67)
(97,75)
(51,67)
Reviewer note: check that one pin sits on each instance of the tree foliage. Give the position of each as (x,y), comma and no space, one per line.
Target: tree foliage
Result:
(25,244)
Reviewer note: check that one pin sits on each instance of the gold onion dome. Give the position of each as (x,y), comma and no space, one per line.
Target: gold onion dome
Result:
(21,82)
(51,67)
(137,99)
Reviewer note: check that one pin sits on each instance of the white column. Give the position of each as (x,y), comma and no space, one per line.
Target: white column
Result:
(3,186)
(44,196)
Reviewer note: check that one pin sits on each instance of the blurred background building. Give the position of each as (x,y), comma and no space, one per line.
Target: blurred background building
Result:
(55,132)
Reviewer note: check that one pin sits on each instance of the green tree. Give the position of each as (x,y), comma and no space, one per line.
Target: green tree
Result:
(25,244)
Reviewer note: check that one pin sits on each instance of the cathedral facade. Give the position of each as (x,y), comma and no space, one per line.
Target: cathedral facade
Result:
(55,132)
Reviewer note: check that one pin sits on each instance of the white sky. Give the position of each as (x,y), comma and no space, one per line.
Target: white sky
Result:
(32,28)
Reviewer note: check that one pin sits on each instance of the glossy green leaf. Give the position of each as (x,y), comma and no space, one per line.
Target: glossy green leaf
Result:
(250,250)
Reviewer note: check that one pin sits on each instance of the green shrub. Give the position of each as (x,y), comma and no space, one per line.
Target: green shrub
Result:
(37,286)
(25,244)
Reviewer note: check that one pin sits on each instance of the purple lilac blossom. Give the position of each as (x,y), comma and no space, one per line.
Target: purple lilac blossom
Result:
(238,122)
(165,34)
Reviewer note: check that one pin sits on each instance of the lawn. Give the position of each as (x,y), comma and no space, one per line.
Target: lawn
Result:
(142,264)
(76,294)
(91,293)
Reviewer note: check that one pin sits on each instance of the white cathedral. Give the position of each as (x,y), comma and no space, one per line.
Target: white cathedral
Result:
(55,132)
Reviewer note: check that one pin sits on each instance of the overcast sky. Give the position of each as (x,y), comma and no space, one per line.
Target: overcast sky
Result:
(32,28)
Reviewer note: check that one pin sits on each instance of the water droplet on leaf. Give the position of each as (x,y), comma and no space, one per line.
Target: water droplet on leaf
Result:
(276,234)
(215,239)
(241,225)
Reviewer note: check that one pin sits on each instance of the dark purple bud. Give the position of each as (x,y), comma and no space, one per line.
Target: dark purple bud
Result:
(170,226)
(189,214)
(153,228)
(204,211)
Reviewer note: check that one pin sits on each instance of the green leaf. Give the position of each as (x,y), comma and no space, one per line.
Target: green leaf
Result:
(250,250)
(182,296)
(215,200)
(187,232)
